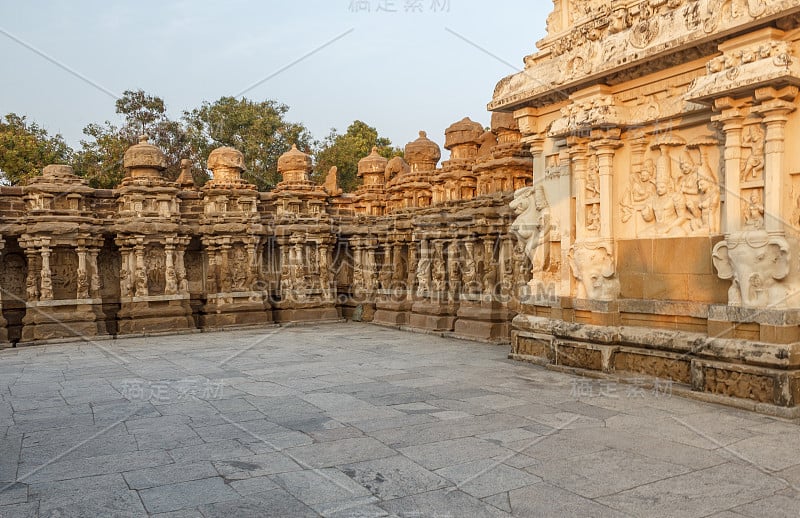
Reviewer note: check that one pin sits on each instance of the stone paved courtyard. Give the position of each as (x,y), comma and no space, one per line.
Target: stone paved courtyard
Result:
(354,420)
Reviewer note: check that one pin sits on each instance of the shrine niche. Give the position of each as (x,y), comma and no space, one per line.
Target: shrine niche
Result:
(153,294)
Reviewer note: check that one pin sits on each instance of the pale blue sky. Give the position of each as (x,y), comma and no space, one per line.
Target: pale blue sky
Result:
(400,72)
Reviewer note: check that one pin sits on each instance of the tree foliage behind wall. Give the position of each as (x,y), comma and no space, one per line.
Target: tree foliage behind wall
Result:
(345,150)
(25,148)
(259,129)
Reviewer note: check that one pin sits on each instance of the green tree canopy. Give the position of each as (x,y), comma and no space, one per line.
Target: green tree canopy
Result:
(100,158)
(345,150)
(25,148)
(257,129)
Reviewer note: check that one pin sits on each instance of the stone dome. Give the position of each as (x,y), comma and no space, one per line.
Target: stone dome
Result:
(465,131)
(144,156)
(504,121)
(294,160)
(373,163)
(423,154)
(226,157)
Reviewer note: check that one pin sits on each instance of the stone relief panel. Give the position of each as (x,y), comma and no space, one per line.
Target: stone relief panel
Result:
(155,266)
(533,226)
(64,273)
(13,278)
(674,191)
(240,268)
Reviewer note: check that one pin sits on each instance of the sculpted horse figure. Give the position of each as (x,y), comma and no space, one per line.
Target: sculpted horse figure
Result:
(532,226)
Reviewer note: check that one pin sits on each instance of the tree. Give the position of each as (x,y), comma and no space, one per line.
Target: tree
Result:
(257,129)
(25,148)
(345,150)
(101,159)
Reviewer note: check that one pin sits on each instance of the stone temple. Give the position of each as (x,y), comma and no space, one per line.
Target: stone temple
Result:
(633,210)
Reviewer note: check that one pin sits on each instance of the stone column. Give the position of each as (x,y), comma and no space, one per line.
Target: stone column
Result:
(424,269)
(453,270)
(776,105)
(733,113)
(489,267)
(125,273)
(397,273)
(386,267)
(253,273)
(170,274)
(577,150)
(606,142)
(140,277)
(45,275)
(82,279)
(95,284)
(32,280)
(211,272)
(224,271)
(180,270)
(537,150)
(326,279)
(370,269)
(411,270)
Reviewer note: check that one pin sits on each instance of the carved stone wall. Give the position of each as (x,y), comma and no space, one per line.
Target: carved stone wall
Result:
(660,135)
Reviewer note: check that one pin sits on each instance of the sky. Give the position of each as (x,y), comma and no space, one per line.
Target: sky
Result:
(398,65)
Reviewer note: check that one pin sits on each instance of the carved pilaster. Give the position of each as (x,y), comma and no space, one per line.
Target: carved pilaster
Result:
(775,107)
(83,288)
(733,113)
(140,275)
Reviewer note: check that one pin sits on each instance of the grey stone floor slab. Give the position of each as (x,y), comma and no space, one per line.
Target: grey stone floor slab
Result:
(353,420)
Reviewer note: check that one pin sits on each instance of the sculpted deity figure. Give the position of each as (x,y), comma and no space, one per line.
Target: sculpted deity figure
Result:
(641,190)
(592,178)
(593,218)
(754,212)
(666,210)
(532,226)
(171,281)
(754,166)
(423,274)
(687,184)
(32,287)
(705,213)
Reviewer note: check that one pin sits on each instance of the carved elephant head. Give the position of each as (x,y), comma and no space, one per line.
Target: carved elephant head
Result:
(756,263)
(594,269)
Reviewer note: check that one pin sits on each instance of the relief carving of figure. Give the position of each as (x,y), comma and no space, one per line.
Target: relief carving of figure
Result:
(32,286)
(469,271)
(754,166)
(171,281)
(666,211)
(423,275)
(706,212)
(533,225)
(592,178)
(641,190)
(240,269)
(438,273)
(593,218)
(754,211)
(141,283)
